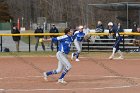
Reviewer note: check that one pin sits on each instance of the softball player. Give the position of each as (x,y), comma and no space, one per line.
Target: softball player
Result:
(78,37)
(64,48)
(114,30)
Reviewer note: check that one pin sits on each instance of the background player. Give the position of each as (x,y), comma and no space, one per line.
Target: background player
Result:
(114,30)
(64,48)
(78,37)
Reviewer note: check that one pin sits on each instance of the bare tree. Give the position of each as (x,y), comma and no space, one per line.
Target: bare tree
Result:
(75,12)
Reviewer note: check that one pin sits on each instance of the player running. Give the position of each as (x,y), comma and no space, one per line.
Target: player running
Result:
(64,48)
(78,38)
(114,30)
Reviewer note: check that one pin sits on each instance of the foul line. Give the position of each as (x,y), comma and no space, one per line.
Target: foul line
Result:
(70,76)
(69,89)
(26,90)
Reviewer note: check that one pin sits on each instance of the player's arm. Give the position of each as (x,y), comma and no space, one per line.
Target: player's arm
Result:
(45,40)
(86,36)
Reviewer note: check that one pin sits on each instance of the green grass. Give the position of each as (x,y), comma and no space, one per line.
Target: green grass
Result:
(83,54)
(47,53)
(25,39)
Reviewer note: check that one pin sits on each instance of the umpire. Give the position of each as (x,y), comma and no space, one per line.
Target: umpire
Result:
(39,30)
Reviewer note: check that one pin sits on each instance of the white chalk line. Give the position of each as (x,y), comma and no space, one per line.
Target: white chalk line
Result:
(79,57)
(69,76)
(71,89)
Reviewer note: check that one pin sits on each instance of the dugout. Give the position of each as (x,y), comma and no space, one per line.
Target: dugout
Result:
(124,12)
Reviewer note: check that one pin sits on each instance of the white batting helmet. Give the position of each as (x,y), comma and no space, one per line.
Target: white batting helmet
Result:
(110,24)
(80,27)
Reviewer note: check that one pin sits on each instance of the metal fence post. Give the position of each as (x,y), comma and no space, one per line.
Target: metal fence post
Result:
(29,44)
(123,44)
(1,44)
(88,46)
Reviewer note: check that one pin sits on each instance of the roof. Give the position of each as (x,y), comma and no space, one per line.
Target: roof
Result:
(118,6)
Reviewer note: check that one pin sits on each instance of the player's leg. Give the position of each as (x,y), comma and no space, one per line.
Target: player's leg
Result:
(52,45)
(43,46)
(114,49)
(78,47)
(113,53)
(17,45)
(67,66)
(79,51)
(59,68)
(36,45)
(121,54)
(118,49)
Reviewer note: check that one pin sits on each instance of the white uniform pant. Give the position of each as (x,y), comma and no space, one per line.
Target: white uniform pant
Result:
(78,45)
(63,62)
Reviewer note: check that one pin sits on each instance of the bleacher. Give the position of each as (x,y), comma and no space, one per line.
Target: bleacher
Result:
(106,44)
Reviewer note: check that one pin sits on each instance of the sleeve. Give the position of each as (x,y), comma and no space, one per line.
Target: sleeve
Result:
(54,39)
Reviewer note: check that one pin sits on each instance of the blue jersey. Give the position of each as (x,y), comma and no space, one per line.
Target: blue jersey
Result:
(79,36)
(65,43)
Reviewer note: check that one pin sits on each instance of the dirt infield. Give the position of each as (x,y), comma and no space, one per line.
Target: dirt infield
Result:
(90,75)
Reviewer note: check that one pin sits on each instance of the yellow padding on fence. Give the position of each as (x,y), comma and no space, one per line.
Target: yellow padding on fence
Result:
(59,34)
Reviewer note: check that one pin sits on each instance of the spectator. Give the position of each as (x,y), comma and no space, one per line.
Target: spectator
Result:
(86,30)
(53,30)
(136,40)
(16,39)
(39,30)
(99,27)
(134,27)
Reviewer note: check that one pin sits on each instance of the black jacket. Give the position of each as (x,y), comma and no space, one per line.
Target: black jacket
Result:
(15,31)
(100,28)
(39,30)
(54,30)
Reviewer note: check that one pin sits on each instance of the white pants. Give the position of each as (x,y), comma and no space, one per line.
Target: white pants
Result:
(78,45)
(63,62)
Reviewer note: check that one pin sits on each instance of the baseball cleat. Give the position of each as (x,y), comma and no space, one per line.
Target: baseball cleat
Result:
(111,57)
(121,57)
(45,76)
(61,81)
(77,60)
(72,56)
